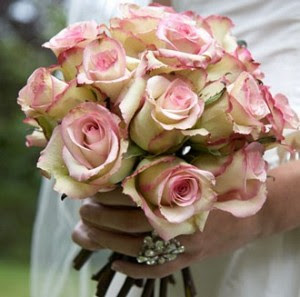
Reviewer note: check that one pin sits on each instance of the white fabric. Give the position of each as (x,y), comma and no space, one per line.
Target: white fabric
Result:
(265,268)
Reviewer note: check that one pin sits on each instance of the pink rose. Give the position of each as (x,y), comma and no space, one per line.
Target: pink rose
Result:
(37,138)
(47,99)
(136,33)
(180,33)
(244,55)
(41,91)
(248,105)
(85,151)
(78,34)
(104,66)
(170,106)
(184,40)
(220,28)
(175,196)
(130,10)
(282,116)
(175,105)
(70,61)
(240,179)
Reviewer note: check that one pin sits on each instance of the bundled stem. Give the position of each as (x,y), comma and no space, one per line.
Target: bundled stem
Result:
(81,258)
(149,288)
(129,282)
(163,287)
(189,286)
(105,276)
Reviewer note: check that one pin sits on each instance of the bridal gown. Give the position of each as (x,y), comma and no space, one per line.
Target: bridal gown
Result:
(265,268)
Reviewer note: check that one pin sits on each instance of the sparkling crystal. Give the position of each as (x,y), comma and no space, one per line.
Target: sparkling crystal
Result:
(149,253)
(142,259)
(159,245)
(178,250)
(151,262)
(161,260)
(171,248)
(170,257)
(148,240)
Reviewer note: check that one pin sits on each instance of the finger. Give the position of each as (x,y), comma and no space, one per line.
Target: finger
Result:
(122,220)
(138,271)
(80,237)
(120,243)
(114,198)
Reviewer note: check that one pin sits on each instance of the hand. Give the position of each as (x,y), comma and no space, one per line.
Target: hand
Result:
(111,220)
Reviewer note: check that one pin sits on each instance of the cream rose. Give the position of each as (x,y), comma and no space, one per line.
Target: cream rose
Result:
(85,152)
(175,196)
(78,34)
(104,66)
(240,179)
(170,106)
(248,105)
(282,116)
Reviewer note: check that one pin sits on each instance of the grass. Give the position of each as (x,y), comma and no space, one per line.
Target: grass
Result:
(14,279)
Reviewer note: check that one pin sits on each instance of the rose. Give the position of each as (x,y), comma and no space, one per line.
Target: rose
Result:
(47,99)
(78,34)
(220,28)
(175,105)
(170,106)
(37,137)
(130,10)
(180,33)
(233,108)
(40,92)
(216,120)
(44,94)
(136,33)
(282,116)
(186,41)
(248,105)
(240,179)
(175,196)
(86,152)
(104,66)
(244,55)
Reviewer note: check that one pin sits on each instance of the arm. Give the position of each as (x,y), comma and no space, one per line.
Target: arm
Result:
(222,233)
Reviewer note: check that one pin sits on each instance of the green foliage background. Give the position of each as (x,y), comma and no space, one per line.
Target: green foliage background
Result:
(20,55)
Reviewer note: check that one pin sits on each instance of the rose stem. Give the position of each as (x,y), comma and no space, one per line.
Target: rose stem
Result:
(139,282)
(63,197)
(81,258)
(104,280)
(189,286)
(149,288)
(172,279)
(129,282)
(163,287)
(105,275)
(112,258)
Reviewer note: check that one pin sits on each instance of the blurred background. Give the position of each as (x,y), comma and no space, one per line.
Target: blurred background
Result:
(24,26)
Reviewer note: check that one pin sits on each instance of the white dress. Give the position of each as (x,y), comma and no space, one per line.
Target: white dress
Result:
(264,268)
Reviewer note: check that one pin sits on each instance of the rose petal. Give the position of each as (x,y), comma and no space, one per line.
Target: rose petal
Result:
(51,161)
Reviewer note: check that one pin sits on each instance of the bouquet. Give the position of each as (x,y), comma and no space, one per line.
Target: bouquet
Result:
(168,106)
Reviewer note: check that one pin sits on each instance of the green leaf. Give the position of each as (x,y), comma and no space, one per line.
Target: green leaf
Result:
(47,124)
(267,139)
(212,92)
(203,149)
(214,98)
